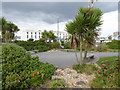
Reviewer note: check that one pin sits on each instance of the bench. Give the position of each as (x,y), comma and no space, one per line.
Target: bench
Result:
(33,51)
(89,57)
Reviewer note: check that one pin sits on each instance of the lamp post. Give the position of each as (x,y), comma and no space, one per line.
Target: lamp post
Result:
(58,28)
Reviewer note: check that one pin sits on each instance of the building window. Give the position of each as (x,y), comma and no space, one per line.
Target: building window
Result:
(27,32)
(31,36)
(35,32)
(27,36)
(35,36)
(39,32)
(39,37)
(31,32)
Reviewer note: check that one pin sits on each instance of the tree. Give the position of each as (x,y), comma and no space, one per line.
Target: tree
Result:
(8,30)
(48,35)
(110,37)
(70,28)
(85,27)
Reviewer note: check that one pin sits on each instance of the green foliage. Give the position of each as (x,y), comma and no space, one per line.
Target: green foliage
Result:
(55,45)
(48,35)
(58,84)
(8,30)
(84,29)
(18,67)
(37,45)
(115,44)
(101,48)
(30,39)
(67,45)
(85,68)
(108,74)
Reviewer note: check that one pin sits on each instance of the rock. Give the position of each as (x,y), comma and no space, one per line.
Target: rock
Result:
(43,86)
(72,78)
(69,72)
(80,83)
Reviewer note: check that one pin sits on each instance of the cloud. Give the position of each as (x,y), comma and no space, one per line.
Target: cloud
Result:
(110,23)
(65,10)
(41,15)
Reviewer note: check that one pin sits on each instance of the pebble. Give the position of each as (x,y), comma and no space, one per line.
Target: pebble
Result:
(72,78)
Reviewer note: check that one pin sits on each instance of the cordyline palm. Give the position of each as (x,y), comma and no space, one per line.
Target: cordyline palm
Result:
(70,28)
(94,19)
(81,22)
(85,27)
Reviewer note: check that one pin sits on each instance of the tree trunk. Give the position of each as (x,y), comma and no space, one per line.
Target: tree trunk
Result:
(80,51)
(75,50)
(85,55)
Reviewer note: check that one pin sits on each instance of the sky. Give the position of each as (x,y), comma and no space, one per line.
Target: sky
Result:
(43,15)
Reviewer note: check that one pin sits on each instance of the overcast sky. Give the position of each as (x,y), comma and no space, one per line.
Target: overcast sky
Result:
(43,15)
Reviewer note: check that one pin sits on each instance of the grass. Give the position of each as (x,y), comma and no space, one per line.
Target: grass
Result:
(110,59)
(58,84)
(85,68)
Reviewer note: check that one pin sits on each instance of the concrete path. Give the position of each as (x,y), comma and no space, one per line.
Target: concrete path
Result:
(66,59)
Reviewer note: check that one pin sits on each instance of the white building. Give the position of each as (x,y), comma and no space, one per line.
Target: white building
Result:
(28,34)
(102,39)
(116,36)
(61,35)
(36,35)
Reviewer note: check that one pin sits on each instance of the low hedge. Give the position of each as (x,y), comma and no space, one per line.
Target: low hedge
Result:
(39,45)
(21,70)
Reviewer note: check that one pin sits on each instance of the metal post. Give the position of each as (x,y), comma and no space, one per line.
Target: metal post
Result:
(58,27)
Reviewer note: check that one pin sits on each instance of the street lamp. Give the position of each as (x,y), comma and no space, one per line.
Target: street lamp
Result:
(58,27)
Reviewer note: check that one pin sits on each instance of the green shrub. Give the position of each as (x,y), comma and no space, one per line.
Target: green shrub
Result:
(115,44)
(55,45)
(58,84)
(67,45)
(39,45)
(101,48)
(18,67)
(85,68)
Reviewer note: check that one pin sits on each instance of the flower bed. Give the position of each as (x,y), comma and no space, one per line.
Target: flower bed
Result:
(107,76)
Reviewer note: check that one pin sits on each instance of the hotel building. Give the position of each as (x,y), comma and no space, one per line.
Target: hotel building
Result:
(36,35)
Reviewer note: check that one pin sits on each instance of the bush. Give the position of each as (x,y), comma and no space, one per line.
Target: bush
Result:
(101,48)
(67,45)
(18,68)
(39,45)
(55,45)
(58,84)
(114,44)
(85,68)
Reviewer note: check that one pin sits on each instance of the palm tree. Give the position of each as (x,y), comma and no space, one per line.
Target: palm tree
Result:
(85,27)
(70,28)
(93,30)
(48,35)
(8,30)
